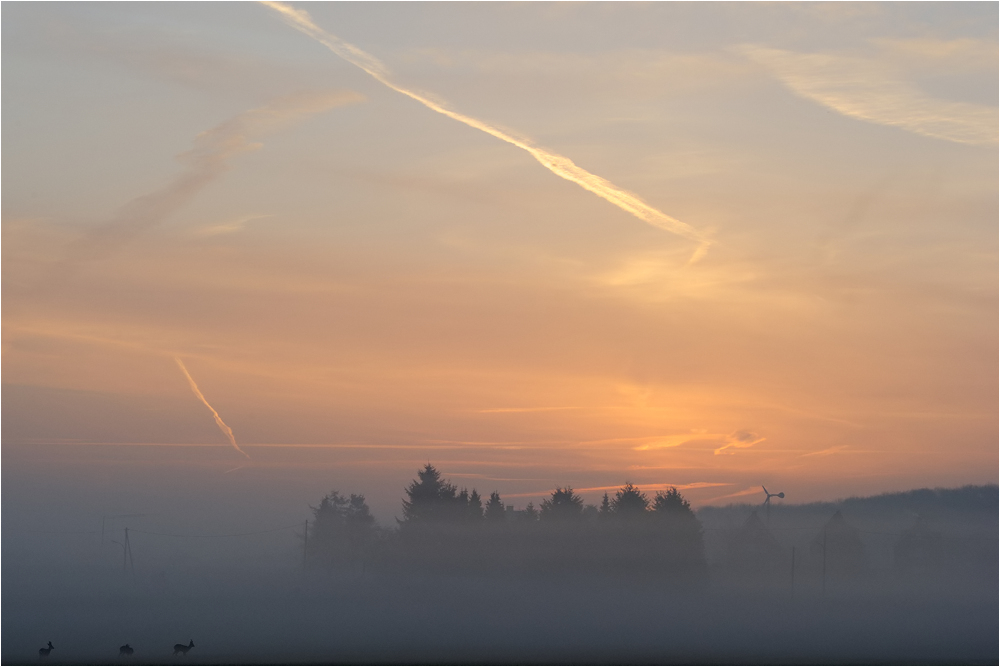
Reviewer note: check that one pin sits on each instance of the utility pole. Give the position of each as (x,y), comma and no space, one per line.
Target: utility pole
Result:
(128,550)
(824,562)
(305,544)
(124,556)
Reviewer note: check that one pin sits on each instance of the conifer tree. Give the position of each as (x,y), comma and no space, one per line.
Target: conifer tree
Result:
(475,507)
(605,511)
(629,502)
(431,499)
(562,506)
(672,502)
(495,511)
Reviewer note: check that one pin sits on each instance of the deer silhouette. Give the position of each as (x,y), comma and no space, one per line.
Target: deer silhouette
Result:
(44,652)
(125,651)
(182,648)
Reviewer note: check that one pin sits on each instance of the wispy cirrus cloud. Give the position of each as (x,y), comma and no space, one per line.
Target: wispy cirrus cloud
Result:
(207,160)
(646,72)
(539,409)
(749,491)
(676,440)
(826,452)
(488,478)
(869,90)
(740,440)
(949,55)
(229,227)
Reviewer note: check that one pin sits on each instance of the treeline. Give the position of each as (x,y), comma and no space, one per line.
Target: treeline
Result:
(447,529)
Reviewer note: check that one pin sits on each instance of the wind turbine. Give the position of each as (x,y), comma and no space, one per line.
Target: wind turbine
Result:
(767,501)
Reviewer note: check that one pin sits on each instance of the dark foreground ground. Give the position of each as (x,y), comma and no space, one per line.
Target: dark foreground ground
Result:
(448,620)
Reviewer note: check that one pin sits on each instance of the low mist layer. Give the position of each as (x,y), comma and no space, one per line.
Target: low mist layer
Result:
(468,578)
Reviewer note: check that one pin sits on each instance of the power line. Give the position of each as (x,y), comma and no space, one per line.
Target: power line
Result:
(944,535)
(257,532)
(52,532)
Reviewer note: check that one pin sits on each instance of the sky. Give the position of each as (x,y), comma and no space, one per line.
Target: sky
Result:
(710,246)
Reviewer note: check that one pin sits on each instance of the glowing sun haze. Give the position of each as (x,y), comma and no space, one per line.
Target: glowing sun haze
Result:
(441,253)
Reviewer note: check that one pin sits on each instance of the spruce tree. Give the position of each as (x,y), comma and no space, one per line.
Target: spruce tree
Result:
(475,507)
(605,511)
(495,511)
(430,498)
(629,502)
(672,502)
(562,506)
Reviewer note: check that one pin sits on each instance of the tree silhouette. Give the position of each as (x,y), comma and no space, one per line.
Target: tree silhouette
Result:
(439,533)
(342,528)
(629,502)
(495,512)
(358,515)
(684,549)
(605,511)
(672,503)
(432,499)
(564,505)
(475,507)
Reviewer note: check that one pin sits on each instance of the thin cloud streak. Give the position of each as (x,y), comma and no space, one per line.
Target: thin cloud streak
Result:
(861,89)
(671,441)
(218,420)
(739,440)
(559,165)
(827,452)
(231,227)
(745,492)
(552,409)
(93,443)
(473,475)
(205,162)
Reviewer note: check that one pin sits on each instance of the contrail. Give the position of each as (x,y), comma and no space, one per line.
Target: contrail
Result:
(206,161)
(559,165)
(218,420)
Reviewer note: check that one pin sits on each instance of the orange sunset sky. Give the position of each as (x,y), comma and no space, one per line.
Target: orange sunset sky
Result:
(357,230)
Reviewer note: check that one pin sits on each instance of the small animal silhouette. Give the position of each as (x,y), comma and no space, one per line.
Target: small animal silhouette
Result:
(182,649)
(126,651)
(44,652)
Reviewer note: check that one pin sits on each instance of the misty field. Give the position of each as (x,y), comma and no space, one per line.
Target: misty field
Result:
(248,600)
